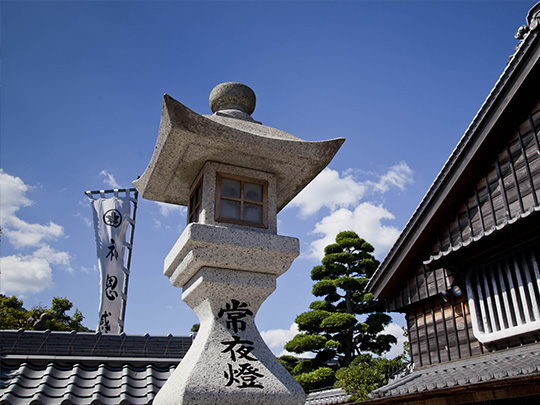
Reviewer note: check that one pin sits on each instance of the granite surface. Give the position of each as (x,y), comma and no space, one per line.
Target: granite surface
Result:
(221,246)
(229,363)
(187,140)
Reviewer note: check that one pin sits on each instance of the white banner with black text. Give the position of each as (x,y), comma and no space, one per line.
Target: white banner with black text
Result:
(111,218)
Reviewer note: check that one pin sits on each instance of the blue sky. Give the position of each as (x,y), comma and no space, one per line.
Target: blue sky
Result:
(82,87)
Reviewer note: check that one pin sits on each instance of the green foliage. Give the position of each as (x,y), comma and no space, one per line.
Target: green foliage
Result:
(365,374)
(14,316)
(311,321)
(195,327)
(331,328)
(319,378)
(12,313)
(302,343)
(323,287)
(338,322)
(304,366)
(406,345)
(322,305)
(289,362)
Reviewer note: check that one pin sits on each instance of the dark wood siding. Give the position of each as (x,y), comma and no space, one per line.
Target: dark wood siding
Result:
(426,282)
(509,188)
(441,331)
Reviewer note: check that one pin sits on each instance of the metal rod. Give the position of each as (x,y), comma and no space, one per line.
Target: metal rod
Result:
(128,262)
(118,190)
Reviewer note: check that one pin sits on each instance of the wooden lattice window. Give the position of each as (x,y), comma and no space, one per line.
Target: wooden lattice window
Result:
(195,204)
(241,200)
(504,296)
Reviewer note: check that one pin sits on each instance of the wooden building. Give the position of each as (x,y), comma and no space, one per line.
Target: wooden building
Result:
(466,269)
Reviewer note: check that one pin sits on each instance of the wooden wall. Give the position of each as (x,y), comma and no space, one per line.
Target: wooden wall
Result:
(441,331)
(424,283)
(509,189)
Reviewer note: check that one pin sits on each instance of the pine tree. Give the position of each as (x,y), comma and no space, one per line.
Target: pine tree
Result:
(348,321)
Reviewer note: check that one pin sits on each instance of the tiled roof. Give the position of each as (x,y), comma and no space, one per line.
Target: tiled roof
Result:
(80,383)
(47,343)
(85,368)
(498,366)
(327,397)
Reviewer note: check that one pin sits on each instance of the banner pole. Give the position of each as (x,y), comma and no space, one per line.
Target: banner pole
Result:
(128,261)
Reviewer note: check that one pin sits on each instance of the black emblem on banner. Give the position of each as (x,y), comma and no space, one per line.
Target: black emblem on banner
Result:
(112,218)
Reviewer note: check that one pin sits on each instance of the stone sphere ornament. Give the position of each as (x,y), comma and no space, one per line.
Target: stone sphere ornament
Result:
(232,96)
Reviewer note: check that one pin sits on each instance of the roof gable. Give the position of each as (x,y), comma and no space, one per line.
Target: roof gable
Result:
(508,105)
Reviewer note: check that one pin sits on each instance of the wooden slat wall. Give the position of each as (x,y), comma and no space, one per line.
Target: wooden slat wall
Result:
(441,331)
(424,283)
(510,187)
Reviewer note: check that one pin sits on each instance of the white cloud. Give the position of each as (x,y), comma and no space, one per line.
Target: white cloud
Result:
(87,222)
(87,216)
(329,190)
(54,257)
(333,190)
(342,195)
(19,232)
(94,269)
(23,234)
(398,176)
(397,331)
(21,274)
(13,192)
(109,179)
(31,272)
(365,220)
(276,338)
(166,209)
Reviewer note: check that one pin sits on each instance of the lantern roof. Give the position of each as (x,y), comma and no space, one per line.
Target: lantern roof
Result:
(187,140)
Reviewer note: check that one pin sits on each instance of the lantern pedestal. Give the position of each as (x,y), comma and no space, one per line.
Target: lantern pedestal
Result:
(226,274)
(229,363)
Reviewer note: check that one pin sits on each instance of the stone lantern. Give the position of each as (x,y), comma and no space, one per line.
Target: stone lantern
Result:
(235,175)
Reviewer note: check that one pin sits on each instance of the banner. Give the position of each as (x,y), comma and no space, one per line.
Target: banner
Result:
(111,218)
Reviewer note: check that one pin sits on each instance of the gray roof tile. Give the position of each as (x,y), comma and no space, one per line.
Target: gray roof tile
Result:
(328,397)
(83,368)
(80,384)
(496,366)
(92,344)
